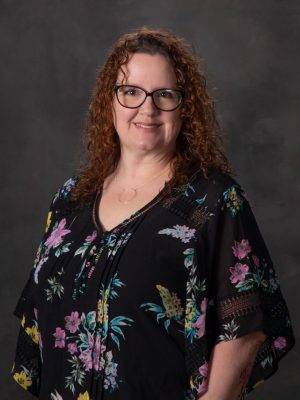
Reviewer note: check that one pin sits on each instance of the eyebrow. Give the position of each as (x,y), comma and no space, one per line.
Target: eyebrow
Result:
(160,87)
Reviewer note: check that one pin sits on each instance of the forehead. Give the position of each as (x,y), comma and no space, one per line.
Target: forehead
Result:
(148,71)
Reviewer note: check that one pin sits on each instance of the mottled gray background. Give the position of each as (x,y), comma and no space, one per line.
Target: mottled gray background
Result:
(50,51)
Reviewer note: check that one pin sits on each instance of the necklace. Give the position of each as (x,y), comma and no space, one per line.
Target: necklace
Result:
(128,194)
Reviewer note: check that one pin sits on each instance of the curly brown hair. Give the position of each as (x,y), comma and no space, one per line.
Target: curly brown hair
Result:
(199,142)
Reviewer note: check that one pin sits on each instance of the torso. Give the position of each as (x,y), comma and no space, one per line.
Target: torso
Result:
(96,299)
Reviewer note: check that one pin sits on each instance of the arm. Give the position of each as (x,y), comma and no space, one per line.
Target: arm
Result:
(230,367)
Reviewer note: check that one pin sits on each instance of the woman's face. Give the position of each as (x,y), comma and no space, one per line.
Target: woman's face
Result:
(146,129)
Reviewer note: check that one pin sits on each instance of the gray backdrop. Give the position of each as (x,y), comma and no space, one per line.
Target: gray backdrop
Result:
(50,51)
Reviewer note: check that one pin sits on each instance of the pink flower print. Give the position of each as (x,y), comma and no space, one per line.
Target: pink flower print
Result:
(86,358)
(204,305)
(35,311)
(72,321)
(60,336)
(241,249)
(55,238)
(40,340)
(255,260)
(238,272)
(202,387)
(91,237)
(96,353)
(200,323)
(182,232)
(203,369)
(38,268)
(98,350)
(72,348)
(279,343)
(90,340)
(91,357)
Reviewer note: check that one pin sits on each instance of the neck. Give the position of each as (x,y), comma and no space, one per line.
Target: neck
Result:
(137,168)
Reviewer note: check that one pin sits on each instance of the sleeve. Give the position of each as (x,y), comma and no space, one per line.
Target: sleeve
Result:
(243,290)
(27,365)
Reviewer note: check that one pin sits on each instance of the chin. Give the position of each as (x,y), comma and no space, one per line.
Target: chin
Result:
(145,147)
(149,145)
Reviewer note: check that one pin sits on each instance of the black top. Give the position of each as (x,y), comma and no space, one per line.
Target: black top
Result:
(133,313)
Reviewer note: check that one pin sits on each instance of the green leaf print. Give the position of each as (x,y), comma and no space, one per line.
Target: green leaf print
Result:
(171,309)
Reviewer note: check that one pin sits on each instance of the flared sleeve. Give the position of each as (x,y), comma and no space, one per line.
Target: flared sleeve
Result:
(238,291)
(233,290)
(27,364)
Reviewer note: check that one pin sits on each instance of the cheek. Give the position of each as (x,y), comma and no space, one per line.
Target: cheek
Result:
(122,115)
(175,124)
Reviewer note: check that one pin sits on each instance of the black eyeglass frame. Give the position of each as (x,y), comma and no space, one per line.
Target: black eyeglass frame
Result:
(116,88)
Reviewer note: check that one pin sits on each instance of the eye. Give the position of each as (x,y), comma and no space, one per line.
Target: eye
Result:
(165,93)
(130,91)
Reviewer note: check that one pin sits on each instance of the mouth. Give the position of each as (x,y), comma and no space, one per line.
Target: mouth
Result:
(146,126)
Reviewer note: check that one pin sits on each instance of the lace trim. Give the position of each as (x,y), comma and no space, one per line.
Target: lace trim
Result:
(239,305)
(248,302)
(199,216)
(169,200)
(187,208)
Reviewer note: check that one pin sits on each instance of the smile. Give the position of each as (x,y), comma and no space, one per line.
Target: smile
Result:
(146,126)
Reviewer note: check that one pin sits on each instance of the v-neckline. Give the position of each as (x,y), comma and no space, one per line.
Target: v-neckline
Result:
(156,199)
(125,221)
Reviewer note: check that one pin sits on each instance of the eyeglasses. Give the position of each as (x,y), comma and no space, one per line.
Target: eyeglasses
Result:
(134,96)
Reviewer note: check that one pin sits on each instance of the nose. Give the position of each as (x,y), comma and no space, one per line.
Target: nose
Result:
(148,107)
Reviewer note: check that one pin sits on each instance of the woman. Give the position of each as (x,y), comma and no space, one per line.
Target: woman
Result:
(152,280)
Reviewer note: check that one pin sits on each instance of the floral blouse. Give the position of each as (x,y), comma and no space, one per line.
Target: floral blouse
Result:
(134,313)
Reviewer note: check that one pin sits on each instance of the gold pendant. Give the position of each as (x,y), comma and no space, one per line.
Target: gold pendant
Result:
(127,195)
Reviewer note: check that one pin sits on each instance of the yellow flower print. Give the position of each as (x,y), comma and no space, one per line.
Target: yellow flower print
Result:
(171,302)
(232,193)
(33,333)
(192,383)
(258,383)
(84,396)
(23,321)
(232,201)
(102,314)
(48,221)
(190,315)
(22,379)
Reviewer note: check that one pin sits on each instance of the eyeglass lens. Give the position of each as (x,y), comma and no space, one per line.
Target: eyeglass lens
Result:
(133,97)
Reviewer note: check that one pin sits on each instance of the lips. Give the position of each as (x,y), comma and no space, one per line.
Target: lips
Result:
(146,125)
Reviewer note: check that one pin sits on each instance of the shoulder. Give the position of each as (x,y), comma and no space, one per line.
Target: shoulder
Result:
(61,205)
(213,189)
(216,193)
(61,200)
(203,198)
(64,191)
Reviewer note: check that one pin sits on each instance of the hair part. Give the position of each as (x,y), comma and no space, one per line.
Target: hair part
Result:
(200,141)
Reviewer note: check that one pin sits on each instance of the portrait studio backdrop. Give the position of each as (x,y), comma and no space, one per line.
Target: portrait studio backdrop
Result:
(50,52)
